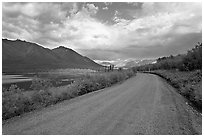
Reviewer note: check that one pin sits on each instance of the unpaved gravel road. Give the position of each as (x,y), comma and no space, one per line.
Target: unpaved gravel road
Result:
(144,104)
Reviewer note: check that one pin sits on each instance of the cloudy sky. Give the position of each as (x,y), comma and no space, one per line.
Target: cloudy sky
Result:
(107,31)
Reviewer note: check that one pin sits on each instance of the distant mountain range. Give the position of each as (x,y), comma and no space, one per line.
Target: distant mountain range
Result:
(20,56)
(135,63)
(106,63)
(128,63)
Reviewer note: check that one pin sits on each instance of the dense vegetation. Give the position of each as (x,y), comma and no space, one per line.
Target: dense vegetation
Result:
(186,62)
(15,101)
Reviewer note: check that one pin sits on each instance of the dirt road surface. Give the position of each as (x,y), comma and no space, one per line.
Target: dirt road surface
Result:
(144,104)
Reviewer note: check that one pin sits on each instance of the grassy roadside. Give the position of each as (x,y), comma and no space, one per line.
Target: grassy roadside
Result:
(188,84)
(15,101)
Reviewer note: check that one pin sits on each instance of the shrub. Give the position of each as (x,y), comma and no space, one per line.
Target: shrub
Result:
(40,84)
(44,97)
(14,102)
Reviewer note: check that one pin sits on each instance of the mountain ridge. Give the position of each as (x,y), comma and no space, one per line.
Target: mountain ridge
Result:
(18,55)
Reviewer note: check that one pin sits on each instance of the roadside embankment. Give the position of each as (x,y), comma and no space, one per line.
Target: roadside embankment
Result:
(188,84)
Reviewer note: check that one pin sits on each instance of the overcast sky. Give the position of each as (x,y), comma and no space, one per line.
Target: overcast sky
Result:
(107,31)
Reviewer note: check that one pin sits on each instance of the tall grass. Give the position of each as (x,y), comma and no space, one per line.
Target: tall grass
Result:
(16,101)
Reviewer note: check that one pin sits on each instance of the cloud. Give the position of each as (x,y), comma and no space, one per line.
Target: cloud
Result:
(108,3)
(154,26)
(92,8)
(34,21)
(74,9)
(89,9)
(161,23)
(105,8)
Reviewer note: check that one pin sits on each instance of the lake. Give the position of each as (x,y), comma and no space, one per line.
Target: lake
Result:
(14,79)
(20,80)
(25,81)
(59,77)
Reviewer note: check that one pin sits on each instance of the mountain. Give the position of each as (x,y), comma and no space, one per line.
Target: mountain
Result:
(134,63)
(23,56)
(126,63)
(106,63)
(131,64)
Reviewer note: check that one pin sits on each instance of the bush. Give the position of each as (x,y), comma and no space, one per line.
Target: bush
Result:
(14,102)
(44,97)
(40,84)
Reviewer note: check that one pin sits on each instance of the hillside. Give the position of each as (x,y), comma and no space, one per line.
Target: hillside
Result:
(190,61)
(20,56)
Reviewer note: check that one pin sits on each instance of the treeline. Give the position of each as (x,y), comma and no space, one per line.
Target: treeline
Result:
(190,61)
